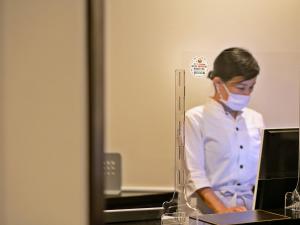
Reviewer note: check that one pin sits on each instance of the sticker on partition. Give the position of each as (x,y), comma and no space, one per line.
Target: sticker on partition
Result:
(199,66)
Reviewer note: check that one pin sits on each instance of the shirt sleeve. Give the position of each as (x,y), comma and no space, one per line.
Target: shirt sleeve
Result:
(194,156)
(262,121)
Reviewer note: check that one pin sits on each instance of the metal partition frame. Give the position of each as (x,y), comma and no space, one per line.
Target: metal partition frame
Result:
(95,63)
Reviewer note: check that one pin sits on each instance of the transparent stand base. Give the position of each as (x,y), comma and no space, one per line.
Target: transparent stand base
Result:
(292,201)
(182,215)
(180,218)
(175,218)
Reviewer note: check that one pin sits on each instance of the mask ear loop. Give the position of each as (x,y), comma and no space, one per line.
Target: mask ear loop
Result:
(226,89)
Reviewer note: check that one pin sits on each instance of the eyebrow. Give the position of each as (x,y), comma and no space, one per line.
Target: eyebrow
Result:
(241,83)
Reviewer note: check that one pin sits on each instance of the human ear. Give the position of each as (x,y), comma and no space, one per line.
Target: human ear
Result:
(217,81)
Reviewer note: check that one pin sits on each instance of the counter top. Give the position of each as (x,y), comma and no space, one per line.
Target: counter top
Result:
(136,199)
(135,206)
(279,216)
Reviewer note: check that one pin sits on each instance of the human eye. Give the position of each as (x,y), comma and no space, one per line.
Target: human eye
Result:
(241,88)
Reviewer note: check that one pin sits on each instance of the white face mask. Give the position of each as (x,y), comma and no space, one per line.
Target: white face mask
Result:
(235,102)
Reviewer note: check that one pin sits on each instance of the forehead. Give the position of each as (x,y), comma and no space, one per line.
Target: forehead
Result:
(240,80)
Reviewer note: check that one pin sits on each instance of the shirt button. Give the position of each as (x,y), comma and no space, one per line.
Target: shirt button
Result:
(237,129)
(241,166)
(241,147)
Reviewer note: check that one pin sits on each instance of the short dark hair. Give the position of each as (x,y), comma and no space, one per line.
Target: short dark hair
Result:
(234,62)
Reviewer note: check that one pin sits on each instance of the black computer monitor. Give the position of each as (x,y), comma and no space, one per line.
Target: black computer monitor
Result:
(278,170)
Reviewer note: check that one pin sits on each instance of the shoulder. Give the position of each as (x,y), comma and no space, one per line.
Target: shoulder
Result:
(194,115)
(254,116)
(252,113)
(195,112)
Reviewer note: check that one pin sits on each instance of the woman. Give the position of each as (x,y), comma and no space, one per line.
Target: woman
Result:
(222,137)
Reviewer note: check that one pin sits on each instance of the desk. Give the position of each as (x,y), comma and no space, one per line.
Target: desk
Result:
(136,199)
(132,206)
(144,208)
(293,219)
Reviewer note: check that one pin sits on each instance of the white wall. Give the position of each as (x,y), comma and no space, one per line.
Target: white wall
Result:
(148,40)
(43,155)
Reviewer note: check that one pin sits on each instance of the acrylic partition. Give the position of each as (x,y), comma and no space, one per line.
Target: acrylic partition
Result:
(292,199)
(179,209)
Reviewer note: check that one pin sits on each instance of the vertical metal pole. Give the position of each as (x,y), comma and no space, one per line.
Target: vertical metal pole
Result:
(96,95)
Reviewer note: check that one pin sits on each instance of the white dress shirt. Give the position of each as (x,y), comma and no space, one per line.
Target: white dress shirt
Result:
(222,152)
